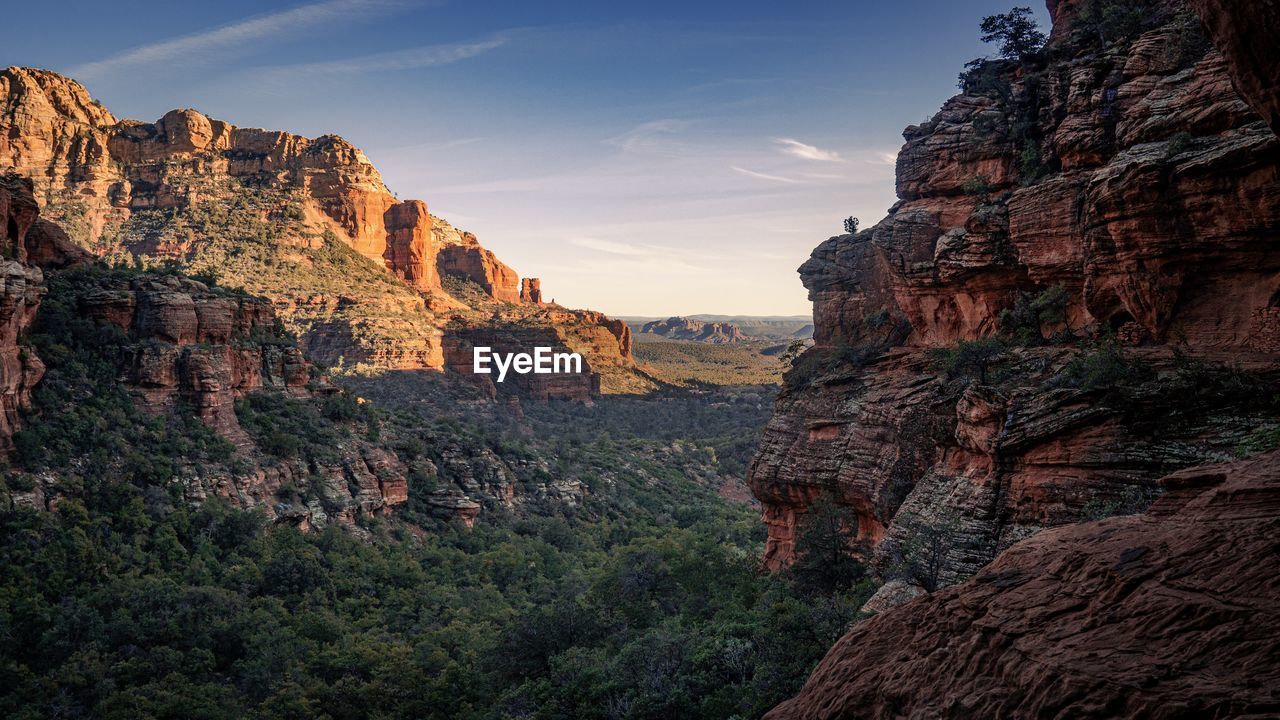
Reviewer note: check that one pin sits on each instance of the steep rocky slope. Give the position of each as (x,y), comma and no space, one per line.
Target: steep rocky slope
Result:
(1166,614)
(309,223)
(1245,32)
(29,244)
(125,372)
(1109,210)
(1169,614)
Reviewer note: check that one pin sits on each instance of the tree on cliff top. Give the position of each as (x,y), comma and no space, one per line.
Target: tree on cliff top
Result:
(1017,32)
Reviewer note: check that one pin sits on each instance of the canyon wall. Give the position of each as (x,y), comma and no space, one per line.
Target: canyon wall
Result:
(1110,210)
(1166,614)
(86,162)
(1160,614)
(266,211)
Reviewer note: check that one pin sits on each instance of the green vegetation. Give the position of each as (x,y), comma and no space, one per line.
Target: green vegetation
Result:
(977,186)
(1178,144)
(1102,366)
(1023,323)
(827,551)
(920,554)
(1104,23)
(851,225)
(255,240)
(969,359)
(692,363)
(1132,499)
(641,601)
(1016,31)
(830,363)
(84,415)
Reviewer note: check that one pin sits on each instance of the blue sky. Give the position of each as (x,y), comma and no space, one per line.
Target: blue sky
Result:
(642,158)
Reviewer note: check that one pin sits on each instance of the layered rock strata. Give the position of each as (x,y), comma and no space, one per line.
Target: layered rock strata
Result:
(257,209)
(1169,614)
(1125,184)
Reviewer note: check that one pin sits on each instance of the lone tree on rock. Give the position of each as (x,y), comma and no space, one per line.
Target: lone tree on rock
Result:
(851,225)
(1017,32)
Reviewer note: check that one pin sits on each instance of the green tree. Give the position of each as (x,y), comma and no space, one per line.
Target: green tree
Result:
(1016,31)
(827,548)
(969,358)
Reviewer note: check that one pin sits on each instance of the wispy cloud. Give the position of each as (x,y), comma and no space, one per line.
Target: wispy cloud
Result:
(648,136)
(763,176)
(806,151)
(198,45)
(886,158)
(607,246)
(408,59)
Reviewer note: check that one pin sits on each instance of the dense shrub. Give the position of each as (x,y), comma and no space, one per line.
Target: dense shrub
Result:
(972,359)
(1023,323)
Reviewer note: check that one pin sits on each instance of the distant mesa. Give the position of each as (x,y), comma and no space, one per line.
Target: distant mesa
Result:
(683,328)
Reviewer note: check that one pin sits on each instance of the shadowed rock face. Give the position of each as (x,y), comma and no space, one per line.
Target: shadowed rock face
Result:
(187,348)
(30,245)
(1245,31)
(1171,614)
(1129,178)
(196,345)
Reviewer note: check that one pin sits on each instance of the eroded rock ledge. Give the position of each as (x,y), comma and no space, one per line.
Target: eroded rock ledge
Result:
(1167,614)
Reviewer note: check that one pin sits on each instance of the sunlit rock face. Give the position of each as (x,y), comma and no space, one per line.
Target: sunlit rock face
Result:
(1132,179)
(125,188)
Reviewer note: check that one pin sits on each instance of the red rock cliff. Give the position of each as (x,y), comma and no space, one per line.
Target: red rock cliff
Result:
(94,169)
(1124,182)
(1168,614)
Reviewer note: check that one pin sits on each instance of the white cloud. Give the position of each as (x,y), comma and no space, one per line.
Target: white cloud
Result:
(648,136)
(763,176)
(805,151)
(233,35)
(409,59)
(607,246)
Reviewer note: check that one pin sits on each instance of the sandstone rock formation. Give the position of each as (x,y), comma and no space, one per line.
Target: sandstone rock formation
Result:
(29,245)
(185,347)
(86,161)
(1245,32)
(1167,614)
(1123,184)
(195,345)
(531,291)
(261,210)
(683,328)
(20,295)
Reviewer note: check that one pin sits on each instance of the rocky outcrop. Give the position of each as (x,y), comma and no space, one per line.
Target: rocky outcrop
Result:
(30,244)
(1245,32)
(482,267)
(257,209)
(195,346)
(94,170)
(1107,190)
(531,291)
(683,328)
(21,287)
(1167,614)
